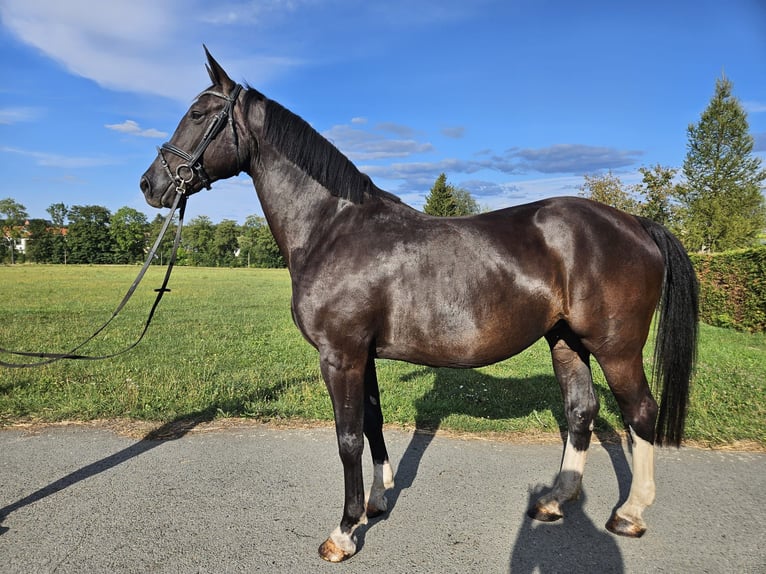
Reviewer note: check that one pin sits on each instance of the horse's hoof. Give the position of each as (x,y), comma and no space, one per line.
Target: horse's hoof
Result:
(332,552)
(377,507)
(624,527)
(338,547)
(545,512)
(373,512)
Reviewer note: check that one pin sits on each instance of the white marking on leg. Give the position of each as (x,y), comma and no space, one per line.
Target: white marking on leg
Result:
(568,482)
(642,489)
(388,475)
(570,476)
(574,460)
(382,479)
(345,541)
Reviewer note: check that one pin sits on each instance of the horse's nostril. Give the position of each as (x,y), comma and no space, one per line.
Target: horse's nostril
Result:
(146,187)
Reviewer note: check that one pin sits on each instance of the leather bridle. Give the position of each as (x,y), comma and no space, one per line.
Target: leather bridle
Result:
(192,166)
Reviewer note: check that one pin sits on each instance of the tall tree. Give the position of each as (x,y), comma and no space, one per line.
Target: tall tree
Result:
(609,189)
(12,218)
(88,236)
(722,195)
(446,200)
(440,200)
(129,229)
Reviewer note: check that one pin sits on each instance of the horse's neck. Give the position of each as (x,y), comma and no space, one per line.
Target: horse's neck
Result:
(299,210)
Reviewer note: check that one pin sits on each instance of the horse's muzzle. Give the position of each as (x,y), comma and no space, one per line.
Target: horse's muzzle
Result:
(146,189)
(156,197)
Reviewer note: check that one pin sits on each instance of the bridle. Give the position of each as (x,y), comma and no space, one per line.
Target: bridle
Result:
(192,166)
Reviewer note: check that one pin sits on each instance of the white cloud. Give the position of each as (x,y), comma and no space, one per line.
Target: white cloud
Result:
(753,107)
(455,132)
(15,115)
(397,129)
(572,158)
(132,45)
(131,127)
(360,145)
(44,159)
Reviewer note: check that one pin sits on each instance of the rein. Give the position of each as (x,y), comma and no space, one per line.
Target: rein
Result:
(184,175)
(180,204)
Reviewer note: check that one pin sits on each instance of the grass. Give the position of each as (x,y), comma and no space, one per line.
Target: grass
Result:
(223,344)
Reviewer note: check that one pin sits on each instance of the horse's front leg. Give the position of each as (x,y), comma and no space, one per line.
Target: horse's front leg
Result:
(343,373)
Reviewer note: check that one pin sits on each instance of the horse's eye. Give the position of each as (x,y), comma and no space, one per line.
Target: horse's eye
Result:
(195,115)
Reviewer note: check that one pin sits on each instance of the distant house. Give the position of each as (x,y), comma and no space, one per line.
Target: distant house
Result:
(23,234)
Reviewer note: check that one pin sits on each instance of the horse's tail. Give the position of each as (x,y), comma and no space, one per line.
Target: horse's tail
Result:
(675,350)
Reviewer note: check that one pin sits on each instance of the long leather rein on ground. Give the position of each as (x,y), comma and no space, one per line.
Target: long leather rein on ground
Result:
(184,174)
(180,204)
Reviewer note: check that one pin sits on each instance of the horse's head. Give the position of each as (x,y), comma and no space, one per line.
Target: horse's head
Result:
(204,147)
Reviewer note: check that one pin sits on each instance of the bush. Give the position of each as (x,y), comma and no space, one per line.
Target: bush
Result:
(733,288)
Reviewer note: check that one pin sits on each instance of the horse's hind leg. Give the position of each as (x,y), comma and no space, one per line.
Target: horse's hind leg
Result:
(627,380)
(571,364)
(383,475)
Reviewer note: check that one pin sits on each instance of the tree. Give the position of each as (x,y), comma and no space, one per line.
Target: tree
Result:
(466,204)
(59,213)
(198,242)
(88,238)
(267,251)
(225,243)
(445,200)
(257,244)
(722,198)
(658,191)
(129,229)
(440,200)
(610,190)
(13,217)
(40,241)
(162,255)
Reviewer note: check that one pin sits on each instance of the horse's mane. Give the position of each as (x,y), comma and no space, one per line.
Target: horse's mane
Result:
(306,148)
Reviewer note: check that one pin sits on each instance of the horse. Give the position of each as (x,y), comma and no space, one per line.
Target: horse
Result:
(374,278)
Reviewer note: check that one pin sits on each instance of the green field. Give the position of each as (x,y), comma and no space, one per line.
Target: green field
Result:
(223,345)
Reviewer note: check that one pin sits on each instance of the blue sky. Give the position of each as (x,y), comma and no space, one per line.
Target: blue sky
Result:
(513,100)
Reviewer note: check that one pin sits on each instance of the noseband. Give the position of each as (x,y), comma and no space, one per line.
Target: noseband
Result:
(192,166)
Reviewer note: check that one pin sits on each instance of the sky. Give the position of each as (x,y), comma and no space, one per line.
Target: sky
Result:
(514,100)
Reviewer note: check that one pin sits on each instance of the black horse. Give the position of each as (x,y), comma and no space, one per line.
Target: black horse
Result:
(374,278)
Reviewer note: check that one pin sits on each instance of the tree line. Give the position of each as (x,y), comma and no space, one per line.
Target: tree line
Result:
(717,205)
(91,234)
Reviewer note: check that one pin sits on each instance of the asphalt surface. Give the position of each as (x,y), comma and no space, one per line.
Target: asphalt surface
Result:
(252,498)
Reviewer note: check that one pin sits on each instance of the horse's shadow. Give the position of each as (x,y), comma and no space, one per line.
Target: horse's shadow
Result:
(574,545)
(484,396)
(172,430)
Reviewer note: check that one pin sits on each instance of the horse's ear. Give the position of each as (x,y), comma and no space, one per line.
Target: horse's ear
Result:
(217,74)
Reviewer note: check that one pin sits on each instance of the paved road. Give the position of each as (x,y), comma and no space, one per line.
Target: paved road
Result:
(252,498)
